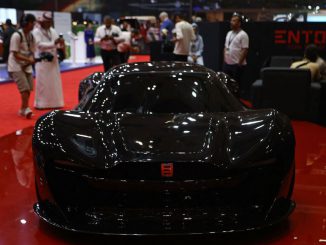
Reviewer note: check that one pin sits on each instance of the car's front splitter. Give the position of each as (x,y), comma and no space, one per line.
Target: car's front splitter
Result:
(163,221)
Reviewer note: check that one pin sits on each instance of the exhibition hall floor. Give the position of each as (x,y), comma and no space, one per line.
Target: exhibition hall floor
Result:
(19,224)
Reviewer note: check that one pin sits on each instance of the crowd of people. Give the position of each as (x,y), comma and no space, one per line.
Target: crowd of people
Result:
(35,44)
(116,42)
(36,38)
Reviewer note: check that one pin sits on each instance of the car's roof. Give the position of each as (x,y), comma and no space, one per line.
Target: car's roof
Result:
(160,66)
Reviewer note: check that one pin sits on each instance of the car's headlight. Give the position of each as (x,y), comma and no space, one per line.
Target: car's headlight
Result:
(85,145)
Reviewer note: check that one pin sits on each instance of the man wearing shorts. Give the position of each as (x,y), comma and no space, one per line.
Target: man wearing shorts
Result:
(20,61)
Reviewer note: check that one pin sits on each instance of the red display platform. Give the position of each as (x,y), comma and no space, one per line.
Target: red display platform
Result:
(307,225)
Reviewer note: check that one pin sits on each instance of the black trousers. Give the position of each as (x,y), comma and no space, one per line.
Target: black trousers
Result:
(178,57)
(110,58)
(234,71)
(124,56)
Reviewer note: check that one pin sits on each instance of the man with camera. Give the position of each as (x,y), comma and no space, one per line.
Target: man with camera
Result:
(48,93)
(20,61)
(108,36)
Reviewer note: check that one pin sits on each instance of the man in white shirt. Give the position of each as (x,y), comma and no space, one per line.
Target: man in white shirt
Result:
(108,36)
(183,36)
(235,49)
(20,61)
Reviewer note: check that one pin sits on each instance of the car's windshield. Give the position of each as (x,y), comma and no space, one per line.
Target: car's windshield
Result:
(163,93)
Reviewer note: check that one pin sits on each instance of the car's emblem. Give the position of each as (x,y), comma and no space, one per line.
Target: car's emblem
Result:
(167,169)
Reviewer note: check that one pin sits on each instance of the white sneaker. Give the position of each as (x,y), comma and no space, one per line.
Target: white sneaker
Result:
(27,112)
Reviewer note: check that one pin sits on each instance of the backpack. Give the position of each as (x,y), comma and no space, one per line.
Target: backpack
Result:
(6,43)
(21,36)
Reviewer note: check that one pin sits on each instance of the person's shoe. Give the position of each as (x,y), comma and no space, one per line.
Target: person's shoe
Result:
(28,113)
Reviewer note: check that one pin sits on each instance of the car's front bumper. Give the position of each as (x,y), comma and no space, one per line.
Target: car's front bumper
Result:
(82,202)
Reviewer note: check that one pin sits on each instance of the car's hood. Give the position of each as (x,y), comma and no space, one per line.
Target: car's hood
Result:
(219,138)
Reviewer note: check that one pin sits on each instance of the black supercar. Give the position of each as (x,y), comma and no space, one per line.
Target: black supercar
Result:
(163,148)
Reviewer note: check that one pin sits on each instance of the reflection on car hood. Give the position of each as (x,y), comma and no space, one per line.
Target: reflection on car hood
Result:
(173,134)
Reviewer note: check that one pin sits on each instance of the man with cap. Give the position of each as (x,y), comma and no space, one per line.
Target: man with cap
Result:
(48,93)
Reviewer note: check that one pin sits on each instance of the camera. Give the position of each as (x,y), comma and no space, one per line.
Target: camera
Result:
(60,35)
(45,56)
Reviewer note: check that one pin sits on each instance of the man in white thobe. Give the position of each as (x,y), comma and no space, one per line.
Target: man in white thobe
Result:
(48,92)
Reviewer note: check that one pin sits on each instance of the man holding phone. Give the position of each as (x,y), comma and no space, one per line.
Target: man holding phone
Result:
(108,36)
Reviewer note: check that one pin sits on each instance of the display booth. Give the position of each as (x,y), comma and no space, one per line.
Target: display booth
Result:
(266,39)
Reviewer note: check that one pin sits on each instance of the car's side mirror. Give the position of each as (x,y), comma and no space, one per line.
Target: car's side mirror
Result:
(230,83)
(88,84)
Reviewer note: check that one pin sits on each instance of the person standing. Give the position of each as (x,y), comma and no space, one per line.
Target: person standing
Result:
(166,26)
(8,31)
(108,36)
(20,62)
(89,40)
(153,32)
(196,48)
(48,92)
(235,49)
(124,46)
(183,36)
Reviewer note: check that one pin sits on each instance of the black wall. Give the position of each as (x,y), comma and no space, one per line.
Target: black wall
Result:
(266,39)
(214,36)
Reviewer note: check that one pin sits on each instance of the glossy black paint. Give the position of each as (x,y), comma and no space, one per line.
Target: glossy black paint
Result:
(98,167)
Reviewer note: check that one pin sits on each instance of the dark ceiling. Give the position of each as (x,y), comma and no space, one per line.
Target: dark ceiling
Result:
(154,6)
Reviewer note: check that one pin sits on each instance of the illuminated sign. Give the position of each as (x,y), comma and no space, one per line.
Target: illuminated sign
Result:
(300,38)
